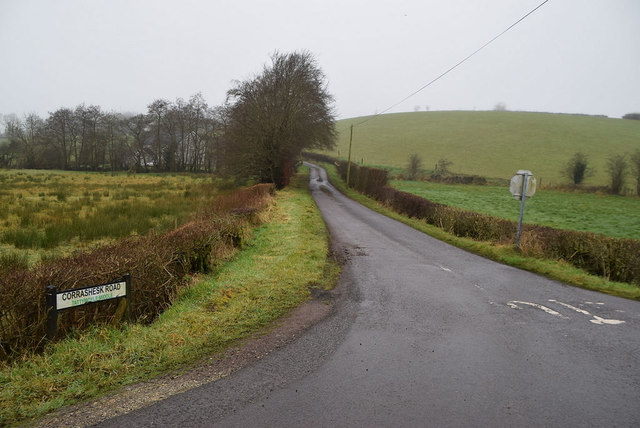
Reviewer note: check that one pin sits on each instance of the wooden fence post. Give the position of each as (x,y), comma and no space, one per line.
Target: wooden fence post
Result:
(130,301)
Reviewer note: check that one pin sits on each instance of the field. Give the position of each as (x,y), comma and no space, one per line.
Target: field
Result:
(491,144)
(605,214)
(46,214)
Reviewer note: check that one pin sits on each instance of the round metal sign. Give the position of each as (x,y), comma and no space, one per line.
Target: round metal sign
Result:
(517,182)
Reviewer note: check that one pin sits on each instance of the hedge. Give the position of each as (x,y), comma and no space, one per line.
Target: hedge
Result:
(158,265)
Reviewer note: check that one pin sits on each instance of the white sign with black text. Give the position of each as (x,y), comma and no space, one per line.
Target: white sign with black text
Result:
(72,298)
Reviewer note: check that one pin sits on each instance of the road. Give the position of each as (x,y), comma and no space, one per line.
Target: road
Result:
(425,334)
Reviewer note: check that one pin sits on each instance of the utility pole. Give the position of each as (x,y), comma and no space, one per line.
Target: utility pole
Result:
(349,158)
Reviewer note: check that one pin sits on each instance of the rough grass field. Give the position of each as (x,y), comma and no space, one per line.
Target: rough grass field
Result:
(599,213)
(491,144)
(281,262)
(48,214)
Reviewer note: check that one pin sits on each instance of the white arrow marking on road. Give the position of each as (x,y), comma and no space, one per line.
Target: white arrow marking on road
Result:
(596,319)
(514,305)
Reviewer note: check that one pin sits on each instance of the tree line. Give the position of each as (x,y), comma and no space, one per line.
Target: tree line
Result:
(170,136)
(258,133)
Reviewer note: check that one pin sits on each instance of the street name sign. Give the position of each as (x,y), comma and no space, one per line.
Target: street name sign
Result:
(81,296)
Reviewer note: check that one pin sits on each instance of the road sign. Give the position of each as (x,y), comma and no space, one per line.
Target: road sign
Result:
(97,293)
(517,184)
(523,183)
(69,299)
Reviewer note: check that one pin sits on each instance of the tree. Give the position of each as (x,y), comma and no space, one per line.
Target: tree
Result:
(138,129)
(157,111)
(116,141)
(197,114)
(92,148)
(27,136)
(500,107)
(617,167)
(577,169)
(414,166)
(276,115)
(61,131)
(635,163)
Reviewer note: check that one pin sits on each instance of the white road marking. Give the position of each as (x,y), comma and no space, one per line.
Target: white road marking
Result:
(478,287)
(514,305)
(581,311)
(444,268)
(596,319)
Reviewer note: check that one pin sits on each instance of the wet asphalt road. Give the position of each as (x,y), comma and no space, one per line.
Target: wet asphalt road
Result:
(425,334)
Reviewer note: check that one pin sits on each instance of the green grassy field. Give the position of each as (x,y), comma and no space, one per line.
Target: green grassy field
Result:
(606,214)
(491,144)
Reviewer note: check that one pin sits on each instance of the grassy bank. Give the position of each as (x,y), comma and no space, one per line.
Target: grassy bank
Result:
(282,259)
(587,212)
(557,270)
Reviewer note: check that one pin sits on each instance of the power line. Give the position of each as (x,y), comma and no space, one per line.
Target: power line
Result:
(455,66)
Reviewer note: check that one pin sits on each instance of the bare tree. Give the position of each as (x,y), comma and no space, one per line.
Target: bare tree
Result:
(116,140)
(276,115)
(26,135)
(157,112)
(197,109)
(61,132)
(138,129)
(91,152)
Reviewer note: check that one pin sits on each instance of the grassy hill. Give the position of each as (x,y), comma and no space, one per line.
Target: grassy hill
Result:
(491,144)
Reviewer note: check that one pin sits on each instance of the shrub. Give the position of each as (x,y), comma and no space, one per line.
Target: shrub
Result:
(442,167)
(617,167)
(414,167)
(635,163)
(577,169)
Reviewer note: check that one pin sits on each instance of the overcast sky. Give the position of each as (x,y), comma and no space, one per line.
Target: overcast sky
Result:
(570,56)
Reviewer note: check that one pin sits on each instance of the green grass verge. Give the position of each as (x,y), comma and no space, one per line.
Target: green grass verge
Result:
(558,270)
(587,212)
(490,144)
(271,276)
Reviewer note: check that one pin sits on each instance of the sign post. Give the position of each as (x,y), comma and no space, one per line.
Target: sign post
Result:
(523,186)
(69,299)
